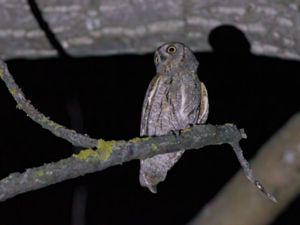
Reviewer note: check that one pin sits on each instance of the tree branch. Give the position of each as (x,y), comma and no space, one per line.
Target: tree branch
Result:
(109,153)
(74,138)
(277,164)
(112,27)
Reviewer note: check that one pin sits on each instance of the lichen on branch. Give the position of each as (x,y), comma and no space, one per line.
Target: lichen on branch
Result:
(101,154)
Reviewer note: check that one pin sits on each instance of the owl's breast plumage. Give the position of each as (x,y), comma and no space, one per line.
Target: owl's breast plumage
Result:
(171,103)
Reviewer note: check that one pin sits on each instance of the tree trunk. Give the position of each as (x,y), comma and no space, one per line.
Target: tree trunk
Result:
(139,26)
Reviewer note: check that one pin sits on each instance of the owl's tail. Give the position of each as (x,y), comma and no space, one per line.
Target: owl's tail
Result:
(154,170)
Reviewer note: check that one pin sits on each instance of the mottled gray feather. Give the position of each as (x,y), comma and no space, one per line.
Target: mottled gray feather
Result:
(175,99)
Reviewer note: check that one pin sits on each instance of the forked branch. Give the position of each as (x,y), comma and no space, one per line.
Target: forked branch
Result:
(109,153)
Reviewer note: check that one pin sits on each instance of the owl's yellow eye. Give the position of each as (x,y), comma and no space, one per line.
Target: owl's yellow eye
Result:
(171,49)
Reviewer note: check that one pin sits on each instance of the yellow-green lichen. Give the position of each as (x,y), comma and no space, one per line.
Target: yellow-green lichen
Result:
(40,173)
(13,91)
(186,130)
(104,149)
(153,147)
(138,139)
(54,125)
(86,153)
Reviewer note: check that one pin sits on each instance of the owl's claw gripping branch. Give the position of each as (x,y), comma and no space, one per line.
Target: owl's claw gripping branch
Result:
(109,153)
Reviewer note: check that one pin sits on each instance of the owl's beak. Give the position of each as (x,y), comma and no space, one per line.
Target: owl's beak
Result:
(156,58)
(162,57)
(159,58)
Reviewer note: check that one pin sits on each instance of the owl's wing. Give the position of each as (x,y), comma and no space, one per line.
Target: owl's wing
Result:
(152,89)
(204,105)
(190,103)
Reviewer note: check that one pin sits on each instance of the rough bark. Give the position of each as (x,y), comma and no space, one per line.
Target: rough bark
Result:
(139,26)
(277,164)
(110,153)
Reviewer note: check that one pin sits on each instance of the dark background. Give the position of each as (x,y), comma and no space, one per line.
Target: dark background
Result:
(104,96)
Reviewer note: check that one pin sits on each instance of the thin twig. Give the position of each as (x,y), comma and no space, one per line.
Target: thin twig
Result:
(248,171)
(72,136)
(277,163)
(110,153)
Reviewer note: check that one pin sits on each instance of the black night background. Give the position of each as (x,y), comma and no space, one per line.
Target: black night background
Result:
(103,96)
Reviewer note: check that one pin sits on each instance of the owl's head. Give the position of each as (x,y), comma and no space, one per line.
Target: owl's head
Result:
(174,56)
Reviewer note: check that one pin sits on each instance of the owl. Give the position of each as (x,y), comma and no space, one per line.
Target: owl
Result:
(175,100)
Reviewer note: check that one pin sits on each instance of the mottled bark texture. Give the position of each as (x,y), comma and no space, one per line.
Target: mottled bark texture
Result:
(110,153)
(139,26)
(277,164)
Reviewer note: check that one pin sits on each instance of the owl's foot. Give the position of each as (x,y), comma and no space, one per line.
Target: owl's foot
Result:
(180,132)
